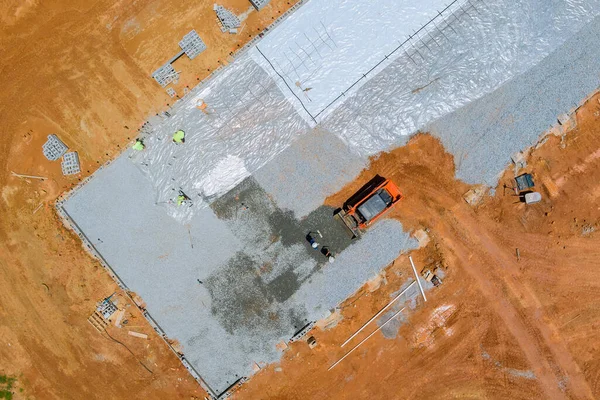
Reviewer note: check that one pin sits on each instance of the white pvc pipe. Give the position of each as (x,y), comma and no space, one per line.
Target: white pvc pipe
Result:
(377,315)
(417,277)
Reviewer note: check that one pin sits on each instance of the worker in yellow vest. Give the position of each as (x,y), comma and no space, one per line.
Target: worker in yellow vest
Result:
(179,137)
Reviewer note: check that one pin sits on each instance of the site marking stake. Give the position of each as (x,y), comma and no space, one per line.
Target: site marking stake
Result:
(417,277)
(28,176)
(377,315)
(365,339)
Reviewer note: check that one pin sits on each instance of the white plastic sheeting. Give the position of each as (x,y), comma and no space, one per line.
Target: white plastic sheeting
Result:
(484,45)
(246,122)
(323,48)
(251,116)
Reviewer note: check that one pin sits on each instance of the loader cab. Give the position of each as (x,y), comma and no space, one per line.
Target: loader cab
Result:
(367,205)
(374,206)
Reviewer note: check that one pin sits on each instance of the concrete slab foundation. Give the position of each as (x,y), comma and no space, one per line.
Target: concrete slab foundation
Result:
(238,278)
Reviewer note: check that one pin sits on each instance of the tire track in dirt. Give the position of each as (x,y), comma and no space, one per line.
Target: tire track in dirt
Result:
(496,274)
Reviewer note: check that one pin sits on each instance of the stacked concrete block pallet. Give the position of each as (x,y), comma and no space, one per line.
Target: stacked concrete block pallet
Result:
(192,45)
(259,4)
(53,149)
(227,19)
(70,164)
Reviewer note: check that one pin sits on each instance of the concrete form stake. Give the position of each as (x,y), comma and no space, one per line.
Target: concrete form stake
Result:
(38,207)
(417,277)
(377,315)
(365,339)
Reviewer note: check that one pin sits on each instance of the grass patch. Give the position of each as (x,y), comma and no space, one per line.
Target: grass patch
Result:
(6,385)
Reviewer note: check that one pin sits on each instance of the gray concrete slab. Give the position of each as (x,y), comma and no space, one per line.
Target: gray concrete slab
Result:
(260,279)
(484,134)
(315,166)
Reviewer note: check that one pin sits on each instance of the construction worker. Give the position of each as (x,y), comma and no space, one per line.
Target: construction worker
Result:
(183,198)
(138,145)
(179,137)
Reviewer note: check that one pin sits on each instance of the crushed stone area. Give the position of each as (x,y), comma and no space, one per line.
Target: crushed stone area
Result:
(511,118)
(315,166)
(239,277)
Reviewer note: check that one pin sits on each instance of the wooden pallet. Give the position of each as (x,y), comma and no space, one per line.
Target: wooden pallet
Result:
(98,321)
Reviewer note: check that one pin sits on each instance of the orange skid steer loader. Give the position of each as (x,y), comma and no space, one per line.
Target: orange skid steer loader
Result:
(368,205)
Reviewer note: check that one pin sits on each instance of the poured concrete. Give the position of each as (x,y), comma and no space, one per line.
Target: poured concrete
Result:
(236,279)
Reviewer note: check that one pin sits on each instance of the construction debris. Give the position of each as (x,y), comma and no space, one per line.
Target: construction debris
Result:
(70,164)
(519,159)
(106,308)
(37,208)
(228,21)
(422,237)
(432,277)
(474,196)
(53,148)
(28,176)
(137,334)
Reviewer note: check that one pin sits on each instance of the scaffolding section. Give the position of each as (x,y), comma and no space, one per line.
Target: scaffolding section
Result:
(228,21)
(165,75)
(192,45)
(70,164)
(259,4)
(53,148)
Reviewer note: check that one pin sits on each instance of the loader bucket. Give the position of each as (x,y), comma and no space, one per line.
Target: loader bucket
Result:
(349,222)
